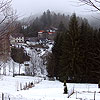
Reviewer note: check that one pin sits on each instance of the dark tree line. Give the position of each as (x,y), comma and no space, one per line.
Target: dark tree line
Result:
(46,20)
(75,55)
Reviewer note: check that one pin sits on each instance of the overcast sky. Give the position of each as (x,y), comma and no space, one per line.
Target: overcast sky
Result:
(32,7)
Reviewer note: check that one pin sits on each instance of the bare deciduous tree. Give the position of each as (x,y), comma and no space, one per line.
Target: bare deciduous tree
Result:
(93,3)
(7,26)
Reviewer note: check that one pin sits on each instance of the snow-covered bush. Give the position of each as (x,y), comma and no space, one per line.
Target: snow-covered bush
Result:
(37,67)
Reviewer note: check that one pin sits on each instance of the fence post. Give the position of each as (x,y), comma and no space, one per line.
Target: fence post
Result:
(73,88)
(76,94)
(17,86)
(88,88)
(94,94)
(26,86)
(2,96)
(8,98)
(20,86)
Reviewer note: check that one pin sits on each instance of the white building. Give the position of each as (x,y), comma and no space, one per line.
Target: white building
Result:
(16,38)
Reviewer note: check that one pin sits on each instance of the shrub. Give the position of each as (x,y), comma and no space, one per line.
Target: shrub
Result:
(65,90)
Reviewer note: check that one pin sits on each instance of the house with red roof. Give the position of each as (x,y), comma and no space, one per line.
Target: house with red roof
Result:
(42,35)
(47,34)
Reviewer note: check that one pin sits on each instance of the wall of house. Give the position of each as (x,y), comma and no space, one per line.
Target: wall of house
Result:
(42,36)
(16,40)
(19,40)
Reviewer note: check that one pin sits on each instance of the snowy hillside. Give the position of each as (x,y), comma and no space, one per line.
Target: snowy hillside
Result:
(38,87)
(12,87)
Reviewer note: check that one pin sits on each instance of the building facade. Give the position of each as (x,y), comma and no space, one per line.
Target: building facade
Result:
(16,38)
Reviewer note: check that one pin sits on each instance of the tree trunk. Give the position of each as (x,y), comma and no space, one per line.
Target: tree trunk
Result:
(13,69)
(19,68)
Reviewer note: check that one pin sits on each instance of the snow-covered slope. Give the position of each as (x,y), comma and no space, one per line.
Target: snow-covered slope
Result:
(45,89)
(18,87)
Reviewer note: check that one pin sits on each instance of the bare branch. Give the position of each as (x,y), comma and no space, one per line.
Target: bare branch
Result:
(3,19)
(91,3)
(7,26)
(97,1)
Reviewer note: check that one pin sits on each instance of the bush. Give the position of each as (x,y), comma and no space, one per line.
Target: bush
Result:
(65,90)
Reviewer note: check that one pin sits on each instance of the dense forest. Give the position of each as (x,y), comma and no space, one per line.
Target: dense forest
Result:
(30,26)
(46,20)
(75,55)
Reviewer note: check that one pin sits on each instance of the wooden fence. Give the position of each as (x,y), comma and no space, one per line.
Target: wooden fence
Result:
(27,85)
(20,86)
(70,91)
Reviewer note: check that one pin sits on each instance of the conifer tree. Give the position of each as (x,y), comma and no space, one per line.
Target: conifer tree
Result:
(57,49)
(74,48)
(76,52)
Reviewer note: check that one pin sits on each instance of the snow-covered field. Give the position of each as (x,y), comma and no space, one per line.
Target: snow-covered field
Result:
(11,88)
(45,89)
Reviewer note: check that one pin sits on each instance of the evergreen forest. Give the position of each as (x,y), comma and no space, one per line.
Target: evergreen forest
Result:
(75,55)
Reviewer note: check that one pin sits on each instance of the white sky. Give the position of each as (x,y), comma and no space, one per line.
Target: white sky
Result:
(32,7)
